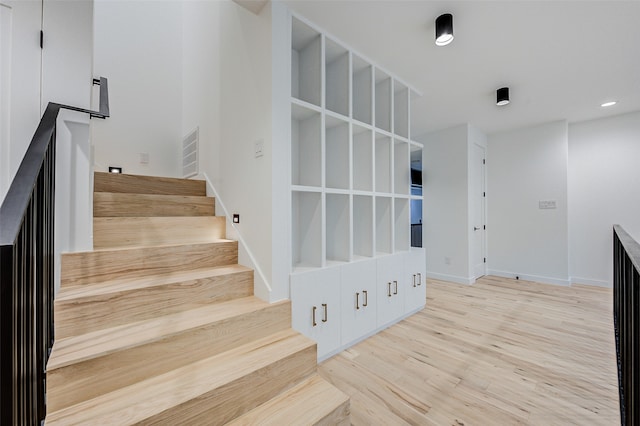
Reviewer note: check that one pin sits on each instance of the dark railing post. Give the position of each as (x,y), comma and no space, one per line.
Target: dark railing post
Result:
(27,227)
(626,318)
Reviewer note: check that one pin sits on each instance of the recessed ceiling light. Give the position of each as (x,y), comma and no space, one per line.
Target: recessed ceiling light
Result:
(608,104)
(502,96)
(444,29)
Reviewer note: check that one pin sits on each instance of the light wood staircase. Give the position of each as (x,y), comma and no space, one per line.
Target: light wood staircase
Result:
(159,325)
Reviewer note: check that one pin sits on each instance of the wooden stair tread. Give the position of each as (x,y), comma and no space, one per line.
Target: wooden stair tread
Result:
(153,396)
(153,280)
(102,342)
(139,184)
(308,403)
(118,232)
(121,204)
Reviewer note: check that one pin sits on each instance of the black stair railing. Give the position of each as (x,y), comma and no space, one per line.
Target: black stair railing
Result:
(626,318)
(27,272)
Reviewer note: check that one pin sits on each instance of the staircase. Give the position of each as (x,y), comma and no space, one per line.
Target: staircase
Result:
(159,325)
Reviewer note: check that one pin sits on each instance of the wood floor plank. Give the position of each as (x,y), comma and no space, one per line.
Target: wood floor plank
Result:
(498,352)
(117,204)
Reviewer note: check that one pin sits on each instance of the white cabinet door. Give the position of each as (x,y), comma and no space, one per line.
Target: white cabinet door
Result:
(358,282)
(415,273)
(315,307)
(390,298)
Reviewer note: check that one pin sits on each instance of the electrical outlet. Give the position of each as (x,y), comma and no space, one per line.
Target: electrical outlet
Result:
(258,148)
(447,261)
(144,158)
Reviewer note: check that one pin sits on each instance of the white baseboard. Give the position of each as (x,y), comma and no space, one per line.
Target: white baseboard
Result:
(535,278)
(592,282)
(453,278)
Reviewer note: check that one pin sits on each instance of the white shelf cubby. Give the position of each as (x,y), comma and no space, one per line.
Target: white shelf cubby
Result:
(362,139)
(338,228)
(336,153)
(306,63)
(400,109)
(402,234)
(363,229)
(384,235)
(336,77)
(307,246)
(306,146)
(382,163)
(362,99)
(401,168)
(383,100)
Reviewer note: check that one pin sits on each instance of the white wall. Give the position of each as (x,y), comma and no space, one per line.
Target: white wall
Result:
(138,47)
(245,183)
(527,166)
(604,189)
(68,79)
(24,17)
(201,80)
(446,206)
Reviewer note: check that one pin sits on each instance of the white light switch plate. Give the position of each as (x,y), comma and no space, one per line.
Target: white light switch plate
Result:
(546,204)
(259,148)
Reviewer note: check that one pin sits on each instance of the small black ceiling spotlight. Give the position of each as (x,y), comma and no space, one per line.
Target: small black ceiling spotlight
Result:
(502,96)
(115,169)
(444,29)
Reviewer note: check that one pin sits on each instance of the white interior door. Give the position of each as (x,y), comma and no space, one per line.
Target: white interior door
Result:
(478,211)
(20,79)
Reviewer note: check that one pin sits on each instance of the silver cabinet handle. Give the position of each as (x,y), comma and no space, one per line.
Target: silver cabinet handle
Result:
(419,278)
(365,297)
(357,300)
(324,306)
(414,280)
(395,291)
(389,289)
(314,316)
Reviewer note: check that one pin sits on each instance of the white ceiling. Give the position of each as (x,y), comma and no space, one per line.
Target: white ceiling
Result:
(561,59)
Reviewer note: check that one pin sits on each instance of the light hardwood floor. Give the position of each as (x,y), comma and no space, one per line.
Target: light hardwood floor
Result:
(500,352)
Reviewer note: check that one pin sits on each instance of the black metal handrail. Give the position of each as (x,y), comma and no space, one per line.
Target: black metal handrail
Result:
(626,319)
(27,272)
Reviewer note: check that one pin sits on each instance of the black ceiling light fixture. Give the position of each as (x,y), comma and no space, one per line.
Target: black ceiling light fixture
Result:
(502,96)
(444,29)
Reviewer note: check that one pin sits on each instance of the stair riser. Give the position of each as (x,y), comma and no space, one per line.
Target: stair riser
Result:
(111,182)
(93,267)
(113,204)
(236,398)
(84,315)
(85,380)
(119,232)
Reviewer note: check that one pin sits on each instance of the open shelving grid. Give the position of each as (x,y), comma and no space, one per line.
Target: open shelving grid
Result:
(350,152)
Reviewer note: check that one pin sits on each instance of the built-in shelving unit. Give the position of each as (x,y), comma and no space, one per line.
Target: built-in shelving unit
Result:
(353,202)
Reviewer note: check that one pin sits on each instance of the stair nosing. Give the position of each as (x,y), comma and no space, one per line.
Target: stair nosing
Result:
(290,341)
(177,320)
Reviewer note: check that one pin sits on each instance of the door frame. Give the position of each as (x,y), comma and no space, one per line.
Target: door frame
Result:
(482,151)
